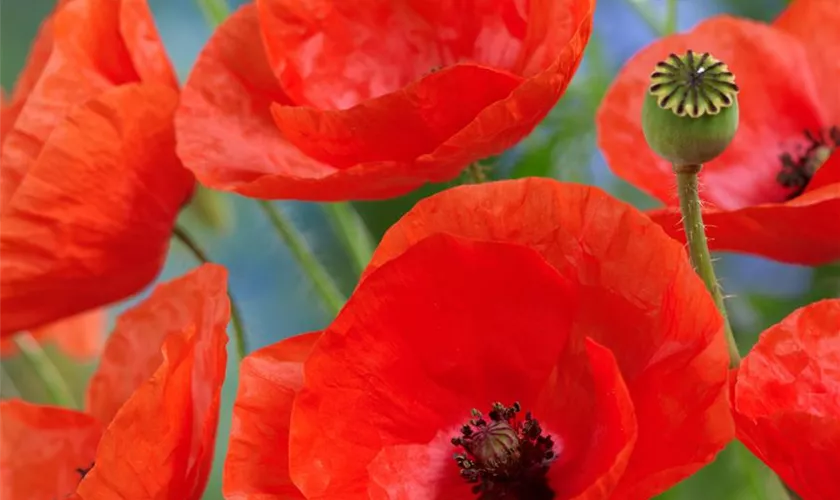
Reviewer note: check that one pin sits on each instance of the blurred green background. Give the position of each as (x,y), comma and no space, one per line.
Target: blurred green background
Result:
(277,300)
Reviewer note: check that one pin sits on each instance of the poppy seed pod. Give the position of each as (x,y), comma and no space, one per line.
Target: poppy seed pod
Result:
(690,113)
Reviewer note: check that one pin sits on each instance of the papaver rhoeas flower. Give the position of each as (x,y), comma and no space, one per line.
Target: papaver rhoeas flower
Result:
(90,182)
(79,336)
(787,400)
(363,100)
(775,191)
(557,297)
(152,407)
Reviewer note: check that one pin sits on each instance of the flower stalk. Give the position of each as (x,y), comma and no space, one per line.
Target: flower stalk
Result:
(355,236)
(46,370)
(698,246)
(689,117)
(324,285)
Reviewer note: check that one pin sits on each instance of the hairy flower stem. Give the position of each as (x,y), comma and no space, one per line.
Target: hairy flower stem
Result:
(235,314)
(352,231)
(43,366)
(698,246)
(322,281)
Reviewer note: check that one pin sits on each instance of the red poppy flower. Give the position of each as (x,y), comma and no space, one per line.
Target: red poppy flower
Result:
(90,181)
(322,101)
(761,194)
(79,336)
(787,400)
(153,406)
(555,296)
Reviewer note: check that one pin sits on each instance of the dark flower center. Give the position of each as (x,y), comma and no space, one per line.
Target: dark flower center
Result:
(693,85)
(505,457)
(798,169)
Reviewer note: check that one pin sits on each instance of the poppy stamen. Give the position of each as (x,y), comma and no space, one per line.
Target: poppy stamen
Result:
(505,456)
(693,85)
(798,170)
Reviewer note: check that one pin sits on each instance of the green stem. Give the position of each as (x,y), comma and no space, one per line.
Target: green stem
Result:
(215,11)
(321,280)
(476,174)
(43,366)
(648,15)
(235,314)
(698,246)
(352,231)
(10,388)
(670,25)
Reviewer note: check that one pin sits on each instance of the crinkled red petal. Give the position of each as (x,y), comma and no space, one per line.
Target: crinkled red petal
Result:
(787,400)
(66,251)
(663,334)
(257,463)
(160,443)
(43,449)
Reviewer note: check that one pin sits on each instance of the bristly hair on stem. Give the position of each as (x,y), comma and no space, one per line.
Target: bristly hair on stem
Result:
(698,246)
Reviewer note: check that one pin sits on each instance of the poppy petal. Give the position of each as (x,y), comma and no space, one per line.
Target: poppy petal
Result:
(132,353)
(226,93)
(673,353)
(378,46)
(789,385)
(800,231)
(171,419)
(257,465)
(402,363)
(457,132)
(87,47)
(399,126)
(505,122)
(813,22)
(227,137)
(65,251)
(607,456)
(42,449)
(745,174)
(413,471)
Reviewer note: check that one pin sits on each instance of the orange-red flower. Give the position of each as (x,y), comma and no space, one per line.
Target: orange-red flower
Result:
(334,101)
(90,182)
(79,336)
(152,407)
(552,295)
(787,400)
(761,195)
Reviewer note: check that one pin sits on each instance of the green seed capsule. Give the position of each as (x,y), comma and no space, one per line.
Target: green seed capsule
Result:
(690,112)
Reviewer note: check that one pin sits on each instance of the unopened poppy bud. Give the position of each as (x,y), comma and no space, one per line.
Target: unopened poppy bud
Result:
(690,113)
